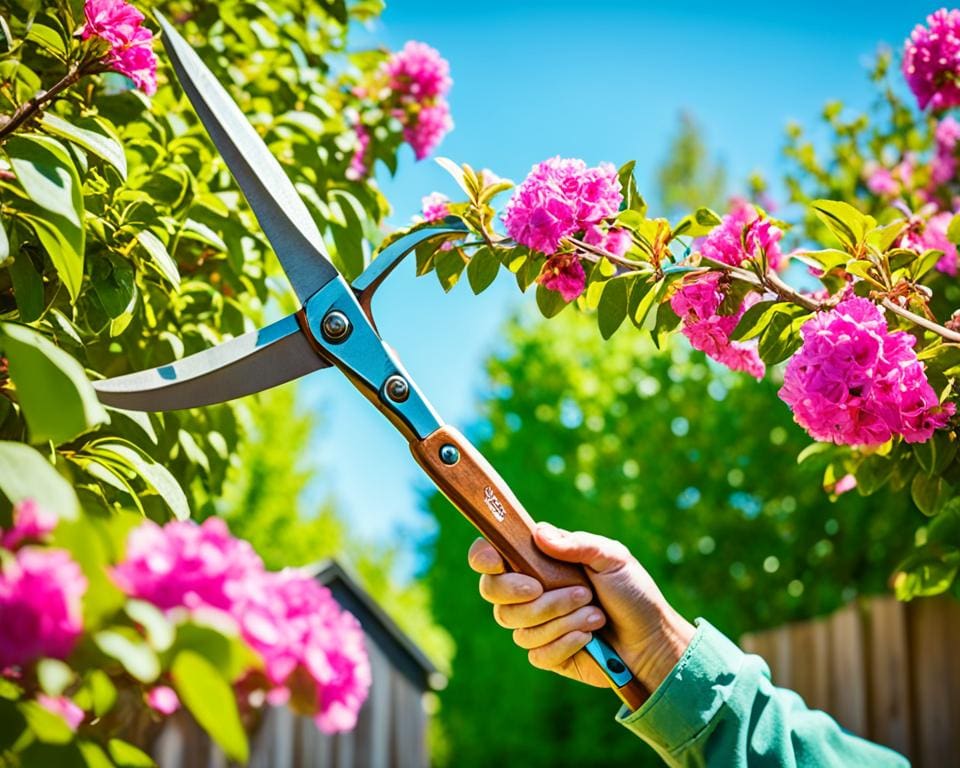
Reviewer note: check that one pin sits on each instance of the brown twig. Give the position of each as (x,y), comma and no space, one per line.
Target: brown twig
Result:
(31,108)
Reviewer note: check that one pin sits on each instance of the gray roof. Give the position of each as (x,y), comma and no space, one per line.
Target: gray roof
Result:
(395,644)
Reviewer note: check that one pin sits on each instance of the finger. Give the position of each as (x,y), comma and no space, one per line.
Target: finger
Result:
(555,654)
(550,605)
(596,552)
(483,558)
(509,588)
(586,619)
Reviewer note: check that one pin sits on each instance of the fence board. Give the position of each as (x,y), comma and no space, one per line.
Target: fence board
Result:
(888,674)
(886,670)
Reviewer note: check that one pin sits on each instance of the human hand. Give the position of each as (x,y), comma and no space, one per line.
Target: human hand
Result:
(553,626)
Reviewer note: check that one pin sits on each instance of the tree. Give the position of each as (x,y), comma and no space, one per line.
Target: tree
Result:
(688,177)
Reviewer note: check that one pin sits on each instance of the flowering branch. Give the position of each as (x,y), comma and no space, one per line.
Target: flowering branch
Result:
(34,106)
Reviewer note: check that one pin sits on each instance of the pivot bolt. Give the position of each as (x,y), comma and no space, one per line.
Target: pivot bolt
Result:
(449,454)
(335,326)
(397,388)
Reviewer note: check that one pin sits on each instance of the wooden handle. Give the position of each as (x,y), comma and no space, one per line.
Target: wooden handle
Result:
(466,478)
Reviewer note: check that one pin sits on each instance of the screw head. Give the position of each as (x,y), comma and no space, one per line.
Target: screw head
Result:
(449,454)
(615,666)
(397,388)
(335,326)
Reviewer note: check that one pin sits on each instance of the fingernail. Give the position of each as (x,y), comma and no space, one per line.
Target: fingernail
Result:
(581,593)
(549,531)
(595,618)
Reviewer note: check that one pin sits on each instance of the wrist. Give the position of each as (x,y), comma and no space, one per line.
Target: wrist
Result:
(667,643)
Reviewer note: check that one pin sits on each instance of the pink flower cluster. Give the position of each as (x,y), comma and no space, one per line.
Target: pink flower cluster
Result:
(560,198)
(932,234)
(306,641)
(743,234)
(358,163)
(308,644)
(931,60)
(943,168)
(41,591)
(419,79)
(434,206)
(119,25)
(697,303)
(854,382)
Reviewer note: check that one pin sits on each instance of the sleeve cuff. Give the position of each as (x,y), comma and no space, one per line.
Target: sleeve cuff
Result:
(691,695)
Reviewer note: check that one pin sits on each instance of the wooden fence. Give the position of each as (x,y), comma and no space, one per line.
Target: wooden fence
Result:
(886,670)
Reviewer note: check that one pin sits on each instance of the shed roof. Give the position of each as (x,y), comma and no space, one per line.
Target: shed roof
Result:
(395,644)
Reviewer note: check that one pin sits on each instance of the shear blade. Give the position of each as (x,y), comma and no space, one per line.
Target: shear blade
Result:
(281,212)
(250,363)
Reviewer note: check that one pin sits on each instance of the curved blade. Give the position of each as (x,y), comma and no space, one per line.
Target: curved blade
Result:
(280,210)
(250,363)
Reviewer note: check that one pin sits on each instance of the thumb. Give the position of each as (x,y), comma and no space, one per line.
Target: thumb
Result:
(598,553)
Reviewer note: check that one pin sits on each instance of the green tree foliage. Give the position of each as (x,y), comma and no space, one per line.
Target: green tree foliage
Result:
(688,177)
(695,470)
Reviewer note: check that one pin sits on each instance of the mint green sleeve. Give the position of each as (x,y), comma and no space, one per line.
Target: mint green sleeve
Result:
(717,707)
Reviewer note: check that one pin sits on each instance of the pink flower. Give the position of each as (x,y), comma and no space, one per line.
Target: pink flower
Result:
(163,699)
(185,564)
(114,21)
(743,234)
(931,60)
(564,274)
(844,484)
(358,163)
(119,24)
(418,71)
(434,206)
(40,601)
(697,303)
(880,181)
(616,240)
(309,645)
(854,382)
(932,234)
(943,168)
(31,522)
(559,198)
(63,707)
(427,129)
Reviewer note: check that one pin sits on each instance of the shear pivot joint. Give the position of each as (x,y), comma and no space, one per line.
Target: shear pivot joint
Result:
(335,326)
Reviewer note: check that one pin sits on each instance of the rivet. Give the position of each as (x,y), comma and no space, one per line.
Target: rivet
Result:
(449,454)
(335,326)
(615,666)
(397,388)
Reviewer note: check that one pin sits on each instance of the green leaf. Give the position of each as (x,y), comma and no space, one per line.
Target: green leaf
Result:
(449,265)
(48,39)
(25,474)
(873,473)
(58,401)
(156,476)
(550,303)
(46,726)
(827,259)
(953,230)
(632,199)
(211,701)
(780,339)
(161,259)
(99,691)
(926,573)
(697,224)
(91,136)
(125,755)
(456,171)
(131,650)
(612,309)
(54,676)
(936,454)
(927,261)
(93,754)
(929,493)
(482,269)
(27,287)
(50,179)
(159,629)
(846,222)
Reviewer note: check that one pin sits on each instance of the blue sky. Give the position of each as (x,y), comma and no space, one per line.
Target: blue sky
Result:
(600,81)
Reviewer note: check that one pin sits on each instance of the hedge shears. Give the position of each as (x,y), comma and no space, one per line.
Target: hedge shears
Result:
(335,328)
